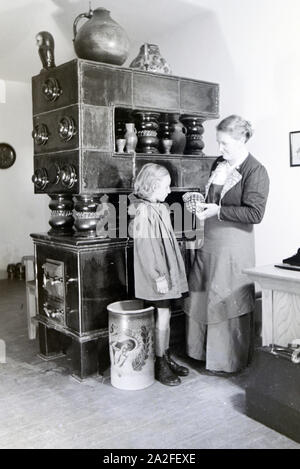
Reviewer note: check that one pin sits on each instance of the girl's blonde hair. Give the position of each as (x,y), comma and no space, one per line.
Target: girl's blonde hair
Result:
(147,179)
(236,126)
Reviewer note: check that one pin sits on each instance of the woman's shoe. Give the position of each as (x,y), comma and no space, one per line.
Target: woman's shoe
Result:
(164,374)
(221,374)
(179,370)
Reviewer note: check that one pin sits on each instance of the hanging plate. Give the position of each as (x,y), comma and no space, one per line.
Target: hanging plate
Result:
(7,156)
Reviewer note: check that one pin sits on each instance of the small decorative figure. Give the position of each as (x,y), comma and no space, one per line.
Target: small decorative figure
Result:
(45,43)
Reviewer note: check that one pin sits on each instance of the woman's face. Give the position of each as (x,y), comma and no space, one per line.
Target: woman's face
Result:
(230,148)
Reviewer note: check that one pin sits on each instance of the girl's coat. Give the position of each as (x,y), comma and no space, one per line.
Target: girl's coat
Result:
(156,251)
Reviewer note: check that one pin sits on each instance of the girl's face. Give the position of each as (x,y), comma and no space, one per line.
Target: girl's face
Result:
(230,148)
(162,189)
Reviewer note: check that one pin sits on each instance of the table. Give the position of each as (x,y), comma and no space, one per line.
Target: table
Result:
(280,303)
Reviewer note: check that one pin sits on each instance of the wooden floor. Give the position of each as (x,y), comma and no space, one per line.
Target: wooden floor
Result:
(42,406)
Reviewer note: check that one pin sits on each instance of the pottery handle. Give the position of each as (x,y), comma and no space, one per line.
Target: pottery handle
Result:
(82,15)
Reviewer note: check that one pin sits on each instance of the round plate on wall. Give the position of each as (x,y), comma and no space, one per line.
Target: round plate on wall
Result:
(7,156)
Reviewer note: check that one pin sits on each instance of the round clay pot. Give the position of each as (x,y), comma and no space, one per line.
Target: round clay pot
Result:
(101,38)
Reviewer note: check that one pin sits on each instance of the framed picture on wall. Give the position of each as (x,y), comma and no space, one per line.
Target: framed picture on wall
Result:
(295,148)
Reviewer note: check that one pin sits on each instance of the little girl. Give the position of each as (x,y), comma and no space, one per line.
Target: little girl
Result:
(159,271)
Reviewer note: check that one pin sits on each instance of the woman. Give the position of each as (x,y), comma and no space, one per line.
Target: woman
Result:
(221,297)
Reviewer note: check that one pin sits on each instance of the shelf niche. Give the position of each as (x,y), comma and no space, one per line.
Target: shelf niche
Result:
(155,130)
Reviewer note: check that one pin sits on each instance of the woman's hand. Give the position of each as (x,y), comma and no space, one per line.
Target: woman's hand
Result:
(162,285)
(194,206)
(209,210)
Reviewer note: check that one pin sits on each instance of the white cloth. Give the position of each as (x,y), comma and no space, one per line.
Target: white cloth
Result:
(224,169)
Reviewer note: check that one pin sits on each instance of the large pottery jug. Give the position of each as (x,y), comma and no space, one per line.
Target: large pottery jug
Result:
(101,38)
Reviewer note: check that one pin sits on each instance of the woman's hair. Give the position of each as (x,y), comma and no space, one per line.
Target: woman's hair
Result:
(236,126)
(147,179)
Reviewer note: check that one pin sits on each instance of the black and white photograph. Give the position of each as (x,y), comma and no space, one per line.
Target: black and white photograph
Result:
(150,228)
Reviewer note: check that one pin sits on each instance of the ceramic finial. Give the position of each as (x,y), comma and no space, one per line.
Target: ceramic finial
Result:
(45,43)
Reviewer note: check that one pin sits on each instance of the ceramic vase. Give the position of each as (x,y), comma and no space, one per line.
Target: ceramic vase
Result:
(130,137)
(121,142)
(167,145)
(150,59)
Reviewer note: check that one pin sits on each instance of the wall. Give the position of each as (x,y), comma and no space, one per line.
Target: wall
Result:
(252,50)
(21,212)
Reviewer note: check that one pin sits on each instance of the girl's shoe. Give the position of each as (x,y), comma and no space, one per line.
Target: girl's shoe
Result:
(179,370)
(164,374)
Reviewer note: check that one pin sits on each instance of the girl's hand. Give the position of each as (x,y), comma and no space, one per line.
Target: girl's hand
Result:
(210,210)
(162,285)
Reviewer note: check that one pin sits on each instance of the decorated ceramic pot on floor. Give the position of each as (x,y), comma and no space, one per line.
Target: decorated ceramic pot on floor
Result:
(131,344)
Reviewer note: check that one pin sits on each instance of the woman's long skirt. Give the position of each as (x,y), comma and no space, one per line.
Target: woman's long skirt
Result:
(224,346)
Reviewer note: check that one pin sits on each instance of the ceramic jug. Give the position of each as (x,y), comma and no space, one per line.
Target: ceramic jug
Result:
(131,137)
(101,38)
